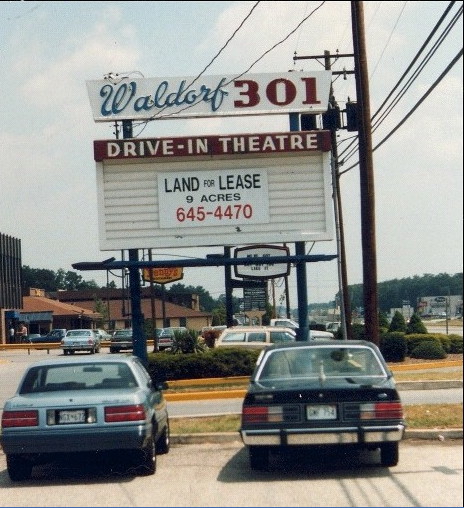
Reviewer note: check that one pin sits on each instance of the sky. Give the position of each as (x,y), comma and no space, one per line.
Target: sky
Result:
(48,50)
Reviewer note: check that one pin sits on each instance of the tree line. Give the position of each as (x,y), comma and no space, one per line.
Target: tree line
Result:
(391,293)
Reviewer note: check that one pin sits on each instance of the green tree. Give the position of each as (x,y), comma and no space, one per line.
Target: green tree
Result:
(383,320)
(219,315)
(398,324)
(415,325)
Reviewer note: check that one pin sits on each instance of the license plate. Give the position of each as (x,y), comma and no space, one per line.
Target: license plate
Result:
(75,416)
(321,412)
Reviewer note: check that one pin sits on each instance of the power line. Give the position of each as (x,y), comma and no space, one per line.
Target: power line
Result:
(252,65)
(350,150)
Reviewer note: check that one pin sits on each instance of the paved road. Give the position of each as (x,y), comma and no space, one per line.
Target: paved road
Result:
(428,474)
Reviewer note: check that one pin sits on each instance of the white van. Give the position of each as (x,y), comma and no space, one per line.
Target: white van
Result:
(254,337)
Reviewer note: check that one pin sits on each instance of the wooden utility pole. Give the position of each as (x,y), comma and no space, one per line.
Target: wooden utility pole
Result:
(369,255)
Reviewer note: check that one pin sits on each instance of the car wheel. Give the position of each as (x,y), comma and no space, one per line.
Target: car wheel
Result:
(164,441)
(71,352)
(147,461)
(112,350)
(65,352)
(389,454)
(19,469)
(259,457)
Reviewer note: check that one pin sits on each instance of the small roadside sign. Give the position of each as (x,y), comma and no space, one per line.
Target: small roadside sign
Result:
(162,275)
(262,271)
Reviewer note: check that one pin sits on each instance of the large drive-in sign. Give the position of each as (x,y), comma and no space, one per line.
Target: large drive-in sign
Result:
(117,98)
(204,191)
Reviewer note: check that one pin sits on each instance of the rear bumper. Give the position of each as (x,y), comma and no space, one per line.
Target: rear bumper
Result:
(328,436)
(78,440)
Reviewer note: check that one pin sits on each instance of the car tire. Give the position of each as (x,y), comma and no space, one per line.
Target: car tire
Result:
(19,469)
(147,460)
(164,442)
(259,457)
(389,454)
(112,350)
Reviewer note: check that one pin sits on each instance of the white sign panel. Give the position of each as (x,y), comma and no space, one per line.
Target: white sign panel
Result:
(198,192)
(118,98)
(213,198)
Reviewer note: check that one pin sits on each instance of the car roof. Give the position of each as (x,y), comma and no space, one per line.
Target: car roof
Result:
(84,359)
(258,329)
(322,342)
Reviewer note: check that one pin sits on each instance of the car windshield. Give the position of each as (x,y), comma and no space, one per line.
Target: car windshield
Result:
(77,333)
(75,376)
(323,361)
(123,333)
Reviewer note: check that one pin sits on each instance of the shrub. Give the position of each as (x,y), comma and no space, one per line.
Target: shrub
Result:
(358,332)
(415,325)
(415,339)
(455,344)
(221,362)
(187,342)
(393,347)
(429,349)
(398,324)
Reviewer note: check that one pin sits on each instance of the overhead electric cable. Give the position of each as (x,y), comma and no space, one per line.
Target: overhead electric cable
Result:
(250,67)
(421,67)
(418,103)
(388,41)
(350,150)
(429,91)
(432,33)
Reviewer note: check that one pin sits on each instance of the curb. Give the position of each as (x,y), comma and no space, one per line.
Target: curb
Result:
(240,394)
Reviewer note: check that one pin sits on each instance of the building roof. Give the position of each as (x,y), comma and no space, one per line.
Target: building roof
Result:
(43,304)
(119,311)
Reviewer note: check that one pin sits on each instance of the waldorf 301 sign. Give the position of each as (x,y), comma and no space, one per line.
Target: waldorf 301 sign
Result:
(121,97)
(214,190)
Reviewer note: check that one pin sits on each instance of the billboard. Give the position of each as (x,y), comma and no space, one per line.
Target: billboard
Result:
(214,190)
(119,97)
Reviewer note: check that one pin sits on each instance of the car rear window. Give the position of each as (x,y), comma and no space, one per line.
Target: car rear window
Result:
(281,337)
(256,337)
(86,376)
(327,361)
(233,337)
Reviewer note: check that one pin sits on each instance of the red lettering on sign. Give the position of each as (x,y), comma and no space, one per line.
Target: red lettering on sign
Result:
(251,92)
(289,88)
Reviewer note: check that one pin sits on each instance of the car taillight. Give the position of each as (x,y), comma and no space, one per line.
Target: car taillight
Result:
(20,419)
(381,411)
(262,414)
(124,413)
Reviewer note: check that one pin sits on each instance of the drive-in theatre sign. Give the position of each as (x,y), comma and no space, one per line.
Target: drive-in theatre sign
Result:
(212,190)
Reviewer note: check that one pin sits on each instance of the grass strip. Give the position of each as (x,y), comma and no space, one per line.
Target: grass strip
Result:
(420,416)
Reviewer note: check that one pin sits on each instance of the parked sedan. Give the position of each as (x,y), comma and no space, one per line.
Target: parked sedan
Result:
(321,393)
(80,340)
(86,404)
(121,340)
(54,335)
